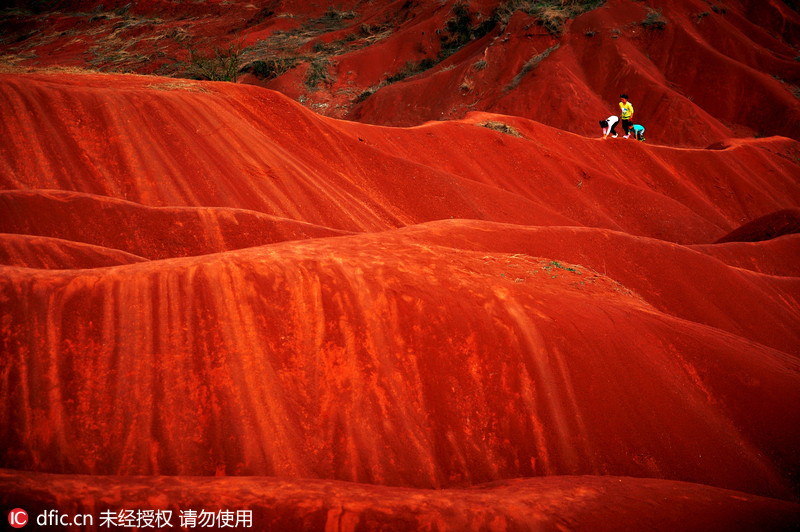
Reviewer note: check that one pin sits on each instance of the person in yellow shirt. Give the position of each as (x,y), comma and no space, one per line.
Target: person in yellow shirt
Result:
(626,112)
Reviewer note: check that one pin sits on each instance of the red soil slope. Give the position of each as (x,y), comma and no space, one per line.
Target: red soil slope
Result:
(252,289)
(707,71)
(574,503)
(497,322)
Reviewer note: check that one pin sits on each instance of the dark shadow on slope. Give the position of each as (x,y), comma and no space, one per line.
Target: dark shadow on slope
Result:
(779,223)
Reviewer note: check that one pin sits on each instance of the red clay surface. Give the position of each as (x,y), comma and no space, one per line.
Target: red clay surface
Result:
(554,503)
(712,71)
(439,327)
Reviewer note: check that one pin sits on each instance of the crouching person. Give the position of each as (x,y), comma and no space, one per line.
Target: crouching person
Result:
(638,132)
(609,126)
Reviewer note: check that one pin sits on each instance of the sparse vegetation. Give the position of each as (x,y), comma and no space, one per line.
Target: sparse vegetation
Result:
(411,68)
(220,64)
(460,30)
(552,14)
(794,89)
(366,94)
(532,63)
(654,20)
(271,67)
(177,85)
(278,54)
(114,41)
(318,73)
(35,6)
(116,38)
(335,17)
(556,264)
(368,30)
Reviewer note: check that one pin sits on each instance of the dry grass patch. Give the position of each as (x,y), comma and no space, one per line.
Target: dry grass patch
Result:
(10,65)
(502,127)
(552,14)
(178,85)
(532,63)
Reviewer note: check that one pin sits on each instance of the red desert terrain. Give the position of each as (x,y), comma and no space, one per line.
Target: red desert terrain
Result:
(393,277)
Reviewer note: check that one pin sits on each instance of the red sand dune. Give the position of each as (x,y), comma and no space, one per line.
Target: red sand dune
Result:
(496,322)
(151,232)
(767,227)
(56,254)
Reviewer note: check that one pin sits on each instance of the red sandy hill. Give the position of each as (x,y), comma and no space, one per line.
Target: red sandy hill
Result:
(697,71)
(212,297)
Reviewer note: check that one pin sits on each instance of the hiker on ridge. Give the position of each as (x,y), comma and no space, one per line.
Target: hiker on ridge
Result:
(626,109)
(609,125)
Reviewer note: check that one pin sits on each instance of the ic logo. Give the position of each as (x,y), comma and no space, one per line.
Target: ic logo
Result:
(18,517)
